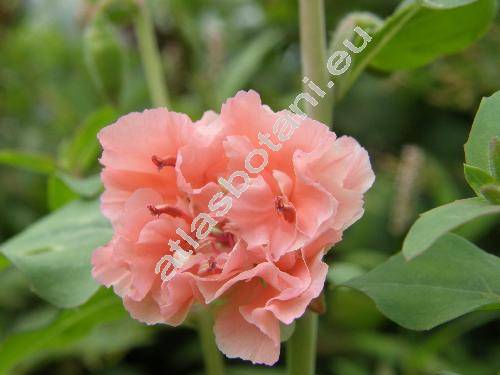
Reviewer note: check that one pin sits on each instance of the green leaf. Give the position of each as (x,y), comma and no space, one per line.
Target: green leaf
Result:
(419,32)
(477,178)
(491,193)
(69,327)
(438,221)
(88,187)
(451,280)
(58,194)
(82,152)
(437,28)
(341,272)
(385,34)
(486,126)
(30,162)
(63,188)
(55,252)
(241,69)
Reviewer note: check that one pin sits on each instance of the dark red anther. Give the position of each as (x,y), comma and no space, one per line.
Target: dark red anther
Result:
(168,210)
(165,162)
(285,208)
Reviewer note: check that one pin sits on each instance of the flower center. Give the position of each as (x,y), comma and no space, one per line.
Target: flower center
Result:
(224,238)
(208,266)
(285,208)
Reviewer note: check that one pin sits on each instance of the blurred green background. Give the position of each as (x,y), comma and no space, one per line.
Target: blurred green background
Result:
(416,122)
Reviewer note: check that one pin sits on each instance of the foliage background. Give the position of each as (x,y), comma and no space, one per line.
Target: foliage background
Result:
(415,121)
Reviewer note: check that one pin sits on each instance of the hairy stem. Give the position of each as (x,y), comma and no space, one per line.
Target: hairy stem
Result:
(313,52)
(214,364)
(150,56)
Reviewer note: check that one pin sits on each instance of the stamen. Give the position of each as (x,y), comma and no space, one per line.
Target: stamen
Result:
(285,208)
(165,162)
(168,210)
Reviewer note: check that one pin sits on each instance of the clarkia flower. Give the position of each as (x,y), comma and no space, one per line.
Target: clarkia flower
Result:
(250,235)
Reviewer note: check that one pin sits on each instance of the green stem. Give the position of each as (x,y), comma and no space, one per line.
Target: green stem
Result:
(301,347)
(214,364)
(313,52)
(151,59)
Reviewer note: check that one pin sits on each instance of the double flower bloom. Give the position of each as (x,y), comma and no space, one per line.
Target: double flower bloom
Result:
(240,206)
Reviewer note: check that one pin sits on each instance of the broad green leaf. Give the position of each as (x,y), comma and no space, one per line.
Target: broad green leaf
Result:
(477,178)
(486,126)
(55,252)
(69,327)
(63,188)
(241,69)
(30,162)
(380,39)
(492,307)
(83,150)
(437,28)
(419,32)
(58,194)
(88,187)
(434,223)
(341,272)
(477,228)
(452,279)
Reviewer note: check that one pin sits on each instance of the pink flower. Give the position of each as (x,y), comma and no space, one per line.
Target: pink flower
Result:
(243,205)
